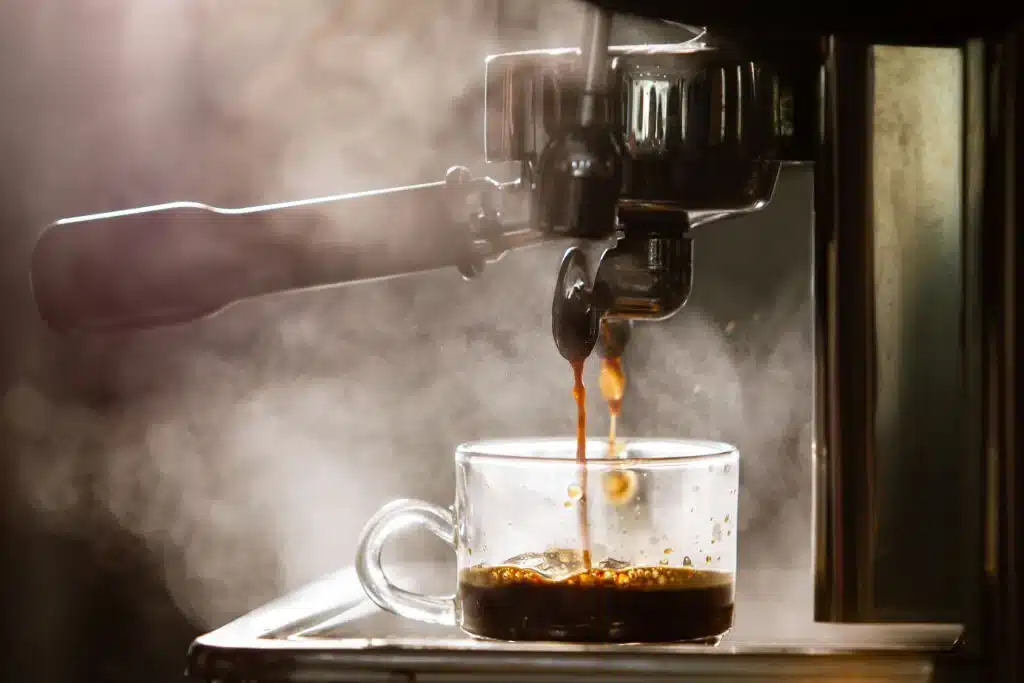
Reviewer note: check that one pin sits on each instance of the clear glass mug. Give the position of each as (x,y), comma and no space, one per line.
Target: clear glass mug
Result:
(661,519)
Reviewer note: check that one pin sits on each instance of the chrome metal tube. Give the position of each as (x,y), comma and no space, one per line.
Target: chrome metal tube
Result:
(596,34)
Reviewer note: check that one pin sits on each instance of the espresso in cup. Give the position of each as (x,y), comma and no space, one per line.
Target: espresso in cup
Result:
(601,605)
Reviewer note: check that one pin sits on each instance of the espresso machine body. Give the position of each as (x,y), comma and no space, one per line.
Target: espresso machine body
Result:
(909,117)
(917,191)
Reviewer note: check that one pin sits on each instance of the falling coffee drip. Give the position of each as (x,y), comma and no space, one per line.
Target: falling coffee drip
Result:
(618,485)
(612,381)
(613,336)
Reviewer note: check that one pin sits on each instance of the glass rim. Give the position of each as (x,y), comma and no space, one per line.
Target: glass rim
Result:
(489,450)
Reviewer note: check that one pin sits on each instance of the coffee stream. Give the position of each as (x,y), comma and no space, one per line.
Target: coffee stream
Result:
(579,392)
(616,484)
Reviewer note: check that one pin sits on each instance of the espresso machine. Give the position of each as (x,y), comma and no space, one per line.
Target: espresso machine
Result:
(625,155)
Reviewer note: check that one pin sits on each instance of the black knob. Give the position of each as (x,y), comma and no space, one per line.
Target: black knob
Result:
(579,180)
(574,318)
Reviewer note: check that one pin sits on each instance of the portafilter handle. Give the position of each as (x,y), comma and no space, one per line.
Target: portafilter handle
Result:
(177,262)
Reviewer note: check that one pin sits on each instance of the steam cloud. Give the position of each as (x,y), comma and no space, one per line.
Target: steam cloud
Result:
(249,449)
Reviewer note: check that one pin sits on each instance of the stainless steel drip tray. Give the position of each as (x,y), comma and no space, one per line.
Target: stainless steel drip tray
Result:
(329,631)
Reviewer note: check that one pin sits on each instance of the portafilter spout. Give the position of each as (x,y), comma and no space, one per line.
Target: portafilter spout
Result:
(646,275)
(177,262)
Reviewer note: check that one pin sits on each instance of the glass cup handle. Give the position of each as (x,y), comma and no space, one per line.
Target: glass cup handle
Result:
(394,517)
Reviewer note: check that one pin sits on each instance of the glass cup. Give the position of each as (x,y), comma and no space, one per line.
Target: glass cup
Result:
(659,519)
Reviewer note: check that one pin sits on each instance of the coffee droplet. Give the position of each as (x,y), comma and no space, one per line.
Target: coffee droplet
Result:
(575,492)
(612,380)
(707,559)
(619,486)
(687,562)
(668,551)
(567,504)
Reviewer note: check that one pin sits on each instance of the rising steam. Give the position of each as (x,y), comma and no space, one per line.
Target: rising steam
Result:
(249,449)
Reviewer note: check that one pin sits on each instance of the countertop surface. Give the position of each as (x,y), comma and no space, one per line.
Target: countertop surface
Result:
(330,626)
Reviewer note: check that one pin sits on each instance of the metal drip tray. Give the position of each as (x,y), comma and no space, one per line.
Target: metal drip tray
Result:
(329,631)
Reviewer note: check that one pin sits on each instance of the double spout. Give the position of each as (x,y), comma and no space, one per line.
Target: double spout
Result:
(647,274)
